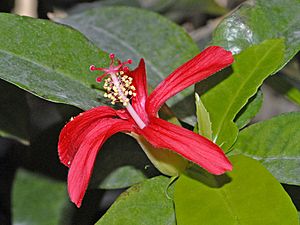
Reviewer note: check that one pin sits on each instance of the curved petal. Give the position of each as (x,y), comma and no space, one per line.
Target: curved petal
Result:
(162,134)
(75,131)
(208,62)
(83,162)
(140,83)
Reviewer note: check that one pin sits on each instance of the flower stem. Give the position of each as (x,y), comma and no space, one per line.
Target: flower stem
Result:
(129,107)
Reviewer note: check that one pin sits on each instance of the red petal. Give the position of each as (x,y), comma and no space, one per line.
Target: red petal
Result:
(75,131)
(208,62)
(140,83)
(162,134)
(83,162)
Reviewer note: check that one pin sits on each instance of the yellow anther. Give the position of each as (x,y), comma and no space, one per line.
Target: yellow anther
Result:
(124,90)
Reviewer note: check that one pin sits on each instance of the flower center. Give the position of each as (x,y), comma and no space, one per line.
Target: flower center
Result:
(119,87)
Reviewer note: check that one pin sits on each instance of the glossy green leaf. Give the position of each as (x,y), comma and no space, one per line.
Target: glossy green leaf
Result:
(147,203)
(246,196)
(249,111)
(37,200)
(136,33)
(224,100)
(14,113)
(203,120)
(49,60)
(275,143)
(256,21)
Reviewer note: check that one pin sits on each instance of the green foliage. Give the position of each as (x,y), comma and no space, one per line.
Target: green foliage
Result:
(248,195)
(146,203)
(136,33)
(275,143)
(256,21)
(37,200)
(122,177)
(249,110)
(203,120)
(224,100)
(52,62)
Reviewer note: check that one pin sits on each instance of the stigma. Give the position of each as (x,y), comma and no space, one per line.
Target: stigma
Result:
(118,85)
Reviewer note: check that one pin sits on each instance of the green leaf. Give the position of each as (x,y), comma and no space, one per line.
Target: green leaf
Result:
(49,60)
(14,113)
(122,177)
(256,21)
(249,110)
(37,200)
(136,33)
(203,124)
(275,143)
(248,195)
(146,203)
(228,97)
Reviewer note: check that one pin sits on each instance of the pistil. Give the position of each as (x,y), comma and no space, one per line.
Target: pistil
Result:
(128,106)
(119,86)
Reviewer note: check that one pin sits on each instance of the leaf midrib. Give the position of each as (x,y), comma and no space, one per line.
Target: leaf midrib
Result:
(45,67)
(223,195)
(271,158)
(239,90)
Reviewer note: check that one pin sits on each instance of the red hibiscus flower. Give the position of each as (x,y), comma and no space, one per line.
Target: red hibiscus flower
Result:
(82,138)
